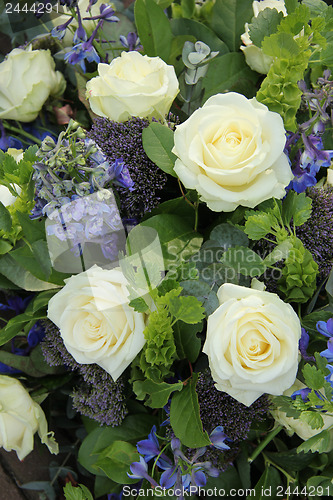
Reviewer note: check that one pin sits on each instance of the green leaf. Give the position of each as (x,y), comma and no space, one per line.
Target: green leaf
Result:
(187,309)
(312,418)
(259,224)
(188,7)
(41,300)
(280,45)
(153,28)
(290,460)
(200,32)
(159,393)
(36,261)
(187,343)
(157,140)
(313,378)
(302,210)
(280,252)
(33,230)
(185,417)
(244,261)
(79,492)
(290,5)
(116,459)
(317,7)
(228,236)
(178,240)
(267,485)
(139,305)
(228,19)
(203,292)
(16,273)
(133,428)
(309,322)
(22,363)
(320,443)
(229,72)
(5,218)
(265,24)
(5,247)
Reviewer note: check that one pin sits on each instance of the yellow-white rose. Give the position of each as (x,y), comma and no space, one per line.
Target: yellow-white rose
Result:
(20,418)
(302,429)
(252,343)
(27,79)
(255,58)
(95,320)
(133,85)
(231,152)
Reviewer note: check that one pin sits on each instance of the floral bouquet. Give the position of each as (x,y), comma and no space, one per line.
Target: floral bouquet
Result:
(166,251)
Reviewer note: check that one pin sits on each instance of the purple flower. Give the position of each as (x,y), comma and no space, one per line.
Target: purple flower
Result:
(60,31)
(303,345)
(169,477)
(328,353)
(325,328)
(140,471)
(35,335)
(131,42)
(304,393)
(218,437)
(80,52)
(106,14)
(150,447)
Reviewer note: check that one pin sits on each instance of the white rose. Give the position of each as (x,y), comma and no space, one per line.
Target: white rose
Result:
(231,152)
(255,58)
(330,176)
(252,343)
(302,429)
(20,418)
(27,79)
(95,320)
(133,85)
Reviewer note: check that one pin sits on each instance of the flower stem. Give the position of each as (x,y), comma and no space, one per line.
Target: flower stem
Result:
(24,133)
(264,443)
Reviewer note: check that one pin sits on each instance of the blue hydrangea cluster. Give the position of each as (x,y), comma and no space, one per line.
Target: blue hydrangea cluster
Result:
(98,396)
(124,140)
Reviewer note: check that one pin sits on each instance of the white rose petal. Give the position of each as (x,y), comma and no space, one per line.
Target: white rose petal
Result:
(27,79)
(96,322)
(133,85)
(252,343)
(231,152)
(20,418)
(301,428)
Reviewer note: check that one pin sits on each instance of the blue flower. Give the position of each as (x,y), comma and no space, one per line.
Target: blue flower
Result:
(131,42)
(328,353)
(303,345)
(218,437)
(35,335)
(325,327)
(140,471)
(80,52)
(150,447)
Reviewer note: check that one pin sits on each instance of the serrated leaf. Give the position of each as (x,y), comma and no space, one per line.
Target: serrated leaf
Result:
(280,45)
(302,210)
(187,309)
(159,393)
(158,141)
(33,230)
(312,418)
(79,492)
(258,225)
(185,416)
(244,261)
(280,252)
(5,218)
(320,443)
(313,378)
(264,24)
(203,292)
(139,305)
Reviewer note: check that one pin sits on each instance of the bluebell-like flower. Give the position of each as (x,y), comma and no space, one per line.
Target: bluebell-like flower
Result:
(218,438)
(106,14)
(131,42)
(60,31)
(303,345)
(325,327)
(140,471)
(150,447)
(35,335)
(80,52)
(169,477)
(328,353)
(304,393)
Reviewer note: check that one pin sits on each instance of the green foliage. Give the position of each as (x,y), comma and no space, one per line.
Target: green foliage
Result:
(158,393)
(269,479)
(115,461)
(313,378)
(132,429)
(203,292)
(319,443)
(200,32)
(79,492)
(244,260)
(229,72)
(298,280)
(188,345)
(5,219)
(158,141)
(185,416)
(153,29)
(228,18)
(264,24)
(228,236)
(259,224)
(297,207)
(187,309)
